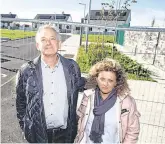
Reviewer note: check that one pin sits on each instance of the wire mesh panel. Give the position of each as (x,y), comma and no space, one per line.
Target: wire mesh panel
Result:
(150,99)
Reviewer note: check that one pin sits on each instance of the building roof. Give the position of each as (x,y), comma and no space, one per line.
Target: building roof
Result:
(8,15)
(64,17)
(109,15)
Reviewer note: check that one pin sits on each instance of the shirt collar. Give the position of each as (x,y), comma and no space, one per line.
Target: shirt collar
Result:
(47,66)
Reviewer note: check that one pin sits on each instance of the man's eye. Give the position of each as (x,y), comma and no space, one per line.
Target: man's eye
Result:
(53,38)
(43,40)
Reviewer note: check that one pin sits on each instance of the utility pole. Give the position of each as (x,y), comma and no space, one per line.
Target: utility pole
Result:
(81,32)
(87,29)
(82,21)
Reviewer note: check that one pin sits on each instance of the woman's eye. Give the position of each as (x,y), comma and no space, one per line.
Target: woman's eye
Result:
(110,81)
(102,79)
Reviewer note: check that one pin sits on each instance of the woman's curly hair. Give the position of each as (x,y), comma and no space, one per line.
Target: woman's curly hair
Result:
(111,65)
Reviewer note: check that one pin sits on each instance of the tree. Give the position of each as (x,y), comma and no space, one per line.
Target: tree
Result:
(153,22)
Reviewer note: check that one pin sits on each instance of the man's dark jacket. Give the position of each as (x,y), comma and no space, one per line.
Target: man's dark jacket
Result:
(29,100)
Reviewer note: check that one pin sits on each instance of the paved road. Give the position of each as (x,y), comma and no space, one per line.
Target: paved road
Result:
(13,55)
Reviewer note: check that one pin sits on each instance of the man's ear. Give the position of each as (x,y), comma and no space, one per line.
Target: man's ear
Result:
(59,45)
(37,46)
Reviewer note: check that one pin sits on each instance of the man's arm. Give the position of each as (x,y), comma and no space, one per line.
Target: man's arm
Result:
(81,80)
(20,99)
(133,125)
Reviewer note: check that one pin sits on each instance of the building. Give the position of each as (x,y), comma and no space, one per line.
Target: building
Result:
(55,17)
(7,24)
(109,18)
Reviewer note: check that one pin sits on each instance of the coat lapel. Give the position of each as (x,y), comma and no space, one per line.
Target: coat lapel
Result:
(67,70)
(38,73)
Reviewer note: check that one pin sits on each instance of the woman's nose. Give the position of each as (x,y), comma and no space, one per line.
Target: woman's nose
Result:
(105,83)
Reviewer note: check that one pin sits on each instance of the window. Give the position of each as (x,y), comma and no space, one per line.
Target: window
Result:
(60,17)
(26,26)
(123,14)
(98,14)
(90,29)
(44,17)
(17,25)
(35,26)
(77,28)
(60,26)
(67,27)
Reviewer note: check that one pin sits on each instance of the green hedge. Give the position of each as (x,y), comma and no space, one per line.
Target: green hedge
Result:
(97,53)
(99,38)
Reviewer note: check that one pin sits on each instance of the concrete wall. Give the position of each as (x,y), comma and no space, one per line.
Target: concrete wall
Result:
(143,44)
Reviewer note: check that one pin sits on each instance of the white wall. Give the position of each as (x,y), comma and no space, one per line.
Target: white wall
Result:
(145,43)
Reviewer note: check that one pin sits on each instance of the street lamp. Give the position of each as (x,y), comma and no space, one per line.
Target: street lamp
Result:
(87,29)
(55,16)
(84,8)
(83,22)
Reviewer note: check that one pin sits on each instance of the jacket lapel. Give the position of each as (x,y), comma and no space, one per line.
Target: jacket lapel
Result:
(38,73)
(67,68)
(38,78)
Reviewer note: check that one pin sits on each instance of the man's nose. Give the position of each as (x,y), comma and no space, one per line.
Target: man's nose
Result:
(48,41)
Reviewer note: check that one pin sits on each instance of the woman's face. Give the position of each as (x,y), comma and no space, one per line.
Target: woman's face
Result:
(106,81)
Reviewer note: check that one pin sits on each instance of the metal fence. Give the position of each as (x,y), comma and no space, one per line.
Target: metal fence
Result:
(145,45)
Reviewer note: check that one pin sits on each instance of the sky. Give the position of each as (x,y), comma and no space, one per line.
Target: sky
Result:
(142,12)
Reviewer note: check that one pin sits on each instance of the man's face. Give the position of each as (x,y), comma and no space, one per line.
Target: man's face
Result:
(106,81)
(47,42)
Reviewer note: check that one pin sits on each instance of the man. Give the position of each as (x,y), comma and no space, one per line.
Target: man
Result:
(47,90)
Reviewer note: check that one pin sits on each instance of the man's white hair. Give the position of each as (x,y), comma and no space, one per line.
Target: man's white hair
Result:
(47,26)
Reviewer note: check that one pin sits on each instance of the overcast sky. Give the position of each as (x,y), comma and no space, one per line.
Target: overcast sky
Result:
(142,12)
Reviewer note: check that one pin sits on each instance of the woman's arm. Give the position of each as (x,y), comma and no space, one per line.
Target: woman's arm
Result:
(133,130)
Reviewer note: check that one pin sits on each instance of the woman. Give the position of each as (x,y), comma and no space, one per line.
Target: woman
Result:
(107,113)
